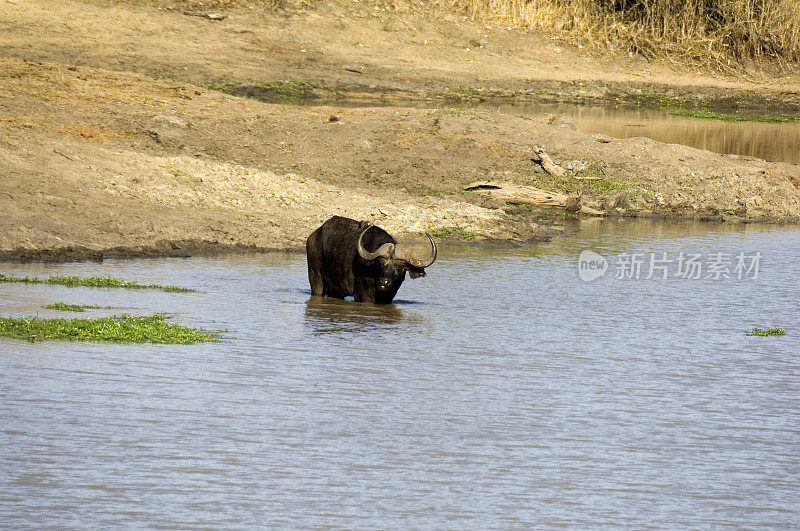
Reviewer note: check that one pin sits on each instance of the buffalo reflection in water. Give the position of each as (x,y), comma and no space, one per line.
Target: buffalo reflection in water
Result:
(329,314)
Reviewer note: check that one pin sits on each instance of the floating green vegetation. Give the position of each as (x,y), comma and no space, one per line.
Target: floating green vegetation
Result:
(774,331)
(446,232)
(64,307)
(708,115)
(117,329)
(93,282)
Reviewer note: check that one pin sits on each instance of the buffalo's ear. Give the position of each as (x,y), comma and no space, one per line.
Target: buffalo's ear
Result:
(416,273)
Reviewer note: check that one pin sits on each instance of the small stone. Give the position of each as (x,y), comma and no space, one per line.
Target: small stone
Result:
(173,120)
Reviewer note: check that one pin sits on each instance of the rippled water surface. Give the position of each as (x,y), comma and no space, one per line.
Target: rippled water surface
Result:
(500,391)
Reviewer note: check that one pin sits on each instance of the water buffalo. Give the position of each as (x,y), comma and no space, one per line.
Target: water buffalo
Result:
(351,258)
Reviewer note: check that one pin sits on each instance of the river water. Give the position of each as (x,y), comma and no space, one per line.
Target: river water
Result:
(769,141)
(502,390)
(776,142)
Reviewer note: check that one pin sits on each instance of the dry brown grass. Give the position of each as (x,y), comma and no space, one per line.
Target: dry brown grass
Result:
(724,34)
(721,34)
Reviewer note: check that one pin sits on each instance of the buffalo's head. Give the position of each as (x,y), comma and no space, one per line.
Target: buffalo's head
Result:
(391,261)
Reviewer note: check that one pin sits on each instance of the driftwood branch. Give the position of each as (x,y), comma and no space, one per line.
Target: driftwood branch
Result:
(547,163)
(528,195)
(205,14)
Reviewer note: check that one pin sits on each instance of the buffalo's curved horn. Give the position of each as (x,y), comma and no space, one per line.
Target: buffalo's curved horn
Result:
(406,255)
(386,250)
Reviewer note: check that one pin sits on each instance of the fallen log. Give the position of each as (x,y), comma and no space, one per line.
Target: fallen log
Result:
(528,195)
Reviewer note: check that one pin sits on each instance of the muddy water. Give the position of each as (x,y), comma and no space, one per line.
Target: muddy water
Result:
(773,142)
(500,391)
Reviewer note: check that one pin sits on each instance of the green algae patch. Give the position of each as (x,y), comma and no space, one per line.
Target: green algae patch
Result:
(92,282)
(774,331)
(724,117)
(116,329)
(64,307)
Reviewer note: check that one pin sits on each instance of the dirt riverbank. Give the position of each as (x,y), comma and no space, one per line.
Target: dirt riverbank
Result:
(118,135)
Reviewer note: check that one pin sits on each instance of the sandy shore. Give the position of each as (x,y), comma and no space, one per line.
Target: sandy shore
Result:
(117,136)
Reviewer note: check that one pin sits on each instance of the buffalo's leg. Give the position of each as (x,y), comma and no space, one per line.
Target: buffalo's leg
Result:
(314,259)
